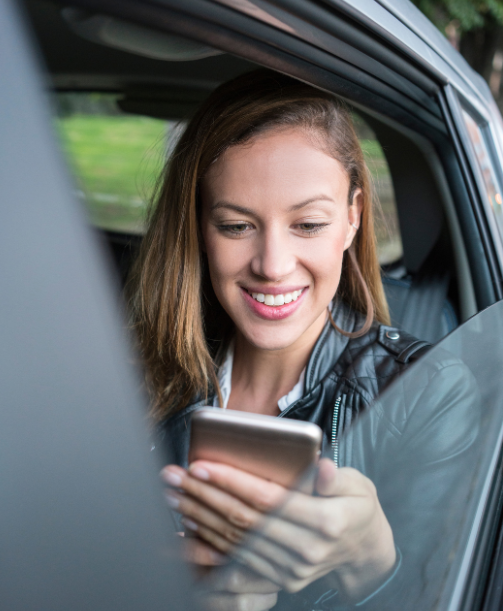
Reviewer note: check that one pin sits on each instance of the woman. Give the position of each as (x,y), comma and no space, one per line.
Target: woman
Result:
(258,289)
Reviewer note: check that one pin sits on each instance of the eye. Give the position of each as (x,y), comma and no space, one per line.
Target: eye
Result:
(311,228)
(235,229)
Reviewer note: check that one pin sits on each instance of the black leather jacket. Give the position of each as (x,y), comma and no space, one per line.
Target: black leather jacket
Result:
(414,443)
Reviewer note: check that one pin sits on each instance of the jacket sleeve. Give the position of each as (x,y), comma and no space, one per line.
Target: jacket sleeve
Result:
(420,445)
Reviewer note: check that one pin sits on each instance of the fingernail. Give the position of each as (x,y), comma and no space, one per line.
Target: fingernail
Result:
(173,479)
(200,473)
(172,501)
(190,524)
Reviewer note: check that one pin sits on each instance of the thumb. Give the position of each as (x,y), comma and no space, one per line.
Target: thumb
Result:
(332,481)
(325,480)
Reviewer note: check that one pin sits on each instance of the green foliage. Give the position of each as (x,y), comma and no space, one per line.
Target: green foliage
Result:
(468,14)
(115,160)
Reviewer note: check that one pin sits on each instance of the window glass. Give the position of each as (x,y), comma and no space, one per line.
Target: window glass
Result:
(389,242)
(483,156)
(116,158)
(430,445)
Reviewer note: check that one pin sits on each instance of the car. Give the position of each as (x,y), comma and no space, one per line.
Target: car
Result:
(84,524)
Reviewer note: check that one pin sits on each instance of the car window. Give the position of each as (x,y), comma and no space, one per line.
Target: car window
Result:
(483,156)
(430,444)
(115,157)
(389,242)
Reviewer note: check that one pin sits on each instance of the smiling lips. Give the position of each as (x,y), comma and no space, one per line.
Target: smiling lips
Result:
(274,306)
(276,300)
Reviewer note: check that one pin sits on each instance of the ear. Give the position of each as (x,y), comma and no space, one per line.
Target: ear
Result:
(354,217)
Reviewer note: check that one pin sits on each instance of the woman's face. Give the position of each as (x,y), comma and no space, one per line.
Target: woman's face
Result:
(275,224)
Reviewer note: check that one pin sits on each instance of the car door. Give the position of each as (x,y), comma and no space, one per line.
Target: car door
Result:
(83,521)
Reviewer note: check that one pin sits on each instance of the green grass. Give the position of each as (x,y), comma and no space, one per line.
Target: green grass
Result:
(119,157)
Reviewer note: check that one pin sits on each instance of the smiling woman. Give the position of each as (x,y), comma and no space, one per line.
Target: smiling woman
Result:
(265,244)
(260,119)
(258,289)
(275,268)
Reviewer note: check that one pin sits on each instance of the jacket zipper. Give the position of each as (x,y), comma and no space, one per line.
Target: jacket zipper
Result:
(335,438)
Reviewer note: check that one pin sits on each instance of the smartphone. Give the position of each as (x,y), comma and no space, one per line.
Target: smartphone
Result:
(277,449)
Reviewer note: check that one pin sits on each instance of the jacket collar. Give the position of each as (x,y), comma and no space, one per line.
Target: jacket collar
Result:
(326,352)
(330,345)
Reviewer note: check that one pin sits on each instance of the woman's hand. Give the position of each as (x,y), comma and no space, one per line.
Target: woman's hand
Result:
(238,588)
(343,530)
(224,587)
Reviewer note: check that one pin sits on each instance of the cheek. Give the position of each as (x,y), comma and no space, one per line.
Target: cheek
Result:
(324,258)
(226,259)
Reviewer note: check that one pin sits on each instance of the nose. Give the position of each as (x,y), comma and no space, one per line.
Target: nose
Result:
(275,258)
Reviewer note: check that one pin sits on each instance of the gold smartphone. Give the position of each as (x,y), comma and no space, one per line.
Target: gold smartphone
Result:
(277,449)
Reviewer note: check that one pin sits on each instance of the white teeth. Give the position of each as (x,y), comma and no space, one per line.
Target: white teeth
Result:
(276,300)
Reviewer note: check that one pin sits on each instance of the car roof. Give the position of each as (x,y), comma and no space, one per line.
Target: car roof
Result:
(75,63)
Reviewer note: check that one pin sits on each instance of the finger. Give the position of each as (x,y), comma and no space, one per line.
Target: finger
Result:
(213,538)
(199,514)
(282,543)
(173,475)
(233,509)
(346,481)
(259,564)
(291,576)
(239,580)
(300,516)
(300,555)
(287,544)
(199,552)
(341,492)
(256,492)
(240,602)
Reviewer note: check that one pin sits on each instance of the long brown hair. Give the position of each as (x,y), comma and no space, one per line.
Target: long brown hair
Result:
(181,327)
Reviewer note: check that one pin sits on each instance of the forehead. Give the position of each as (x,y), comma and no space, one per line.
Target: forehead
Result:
(281,166)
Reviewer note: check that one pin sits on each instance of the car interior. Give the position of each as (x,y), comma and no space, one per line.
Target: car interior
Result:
(80,471)
(163,77)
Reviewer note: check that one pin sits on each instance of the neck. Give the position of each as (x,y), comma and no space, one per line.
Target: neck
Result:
(261,377)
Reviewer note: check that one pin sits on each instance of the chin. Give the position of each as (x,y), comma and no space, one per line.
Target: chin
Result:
(268,339)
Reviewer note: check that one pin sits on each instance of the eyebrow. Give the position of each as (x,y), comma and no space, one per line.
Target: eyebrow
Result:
(294,208)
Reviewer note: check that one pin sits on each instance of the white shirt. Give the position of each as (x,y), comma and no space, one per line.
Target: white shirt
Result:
(225,381)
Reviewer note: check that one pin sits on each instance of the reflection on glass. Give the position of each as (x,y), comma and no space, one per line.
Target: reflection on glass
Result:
(428,446)
(486,168)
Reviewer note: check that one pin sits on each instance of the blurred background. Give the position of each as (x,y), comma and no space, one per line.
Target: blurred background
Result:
(475,29)
(117,157)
